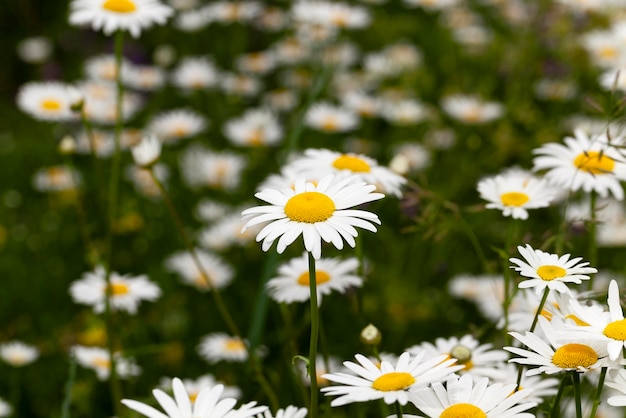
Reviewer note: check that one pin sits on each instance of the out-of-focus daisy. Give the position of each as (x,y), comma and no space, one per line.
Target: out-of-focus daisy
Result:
(462,397)
(340,15)
(34,50)
(101,107)
(617,380)
(113,15)
(340,55)
(194,20)
(549,270)
(289,412)
(56,179)
(292,283)
(5,408)
(218,347)
(256,127)
(98,360)
(404,112)
(281,99)
(477,359)
(486,291)
(209,403)
(195,386)
(584,162)
(220,274)
(363,103)
(236,11)
(604,47)
(514,192)
(409,157)
(209,210)
(557,353)
(217,170)
(240,84)
(555,89)
(388,382)
(18,354)
(195,73)
(147,152)
(316,163)
(143,181)
(315,211)
(471,109)
(104,69)
(126,292)
(329,118)
(432,4)
(259,63)
(49,100)
(145,77)
(226,232)
(173,125)
(102,141)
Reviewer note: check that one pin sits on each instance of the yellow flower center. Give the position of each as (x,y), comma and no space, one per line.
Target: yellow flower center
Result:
(120,6)
(572,356)
(393,381)
(514,199)
(119,289)
(463,410)
(594,162)
(180,131)
(234,344)
(256,137)
(616,330)
(607,52)
(352,163)
(310,207)
(51,104)
(577,320)
(330,124)
(320,277)
(102,363)
(549,272)
(193,396)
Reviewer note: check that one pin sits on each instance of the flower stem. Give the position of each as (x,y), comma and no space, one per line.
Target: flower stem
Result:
(596,401)
(67,400)
(313,410)
(398,410)
(546,292)
(508,291)
(555,411)
(576,380)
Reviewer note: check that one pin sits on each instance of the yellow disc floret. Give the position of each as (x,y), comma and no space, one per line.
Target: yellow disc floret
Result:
(549,272)
(119,6)
(616,330)
(594,162)
(119,289)
(352,163)
(310,207)
(51,104)
(463,410)
(320,277)
(393,381)
(514,199)
(573,356)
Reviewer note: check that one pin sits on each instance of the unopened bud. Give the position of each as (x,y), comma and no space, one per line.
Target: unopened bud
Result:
(67,145)
(371,335)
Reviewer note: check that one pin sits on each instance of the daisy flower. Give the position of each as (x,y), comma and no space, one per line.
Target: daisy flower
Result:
(316,211)
(514,192)
(289,412)
(103,143)
(195,73)
(558,352)
(542,387)
(477,359)
(195,386)
(220,170)
(329,118)
(147,152)
(292,283)
(387,382)
(49,100)
(218,347)
(220,274)
(259,63)
(471,110)
(18,354)
(145,77)
(34,50)
(176,124)
(5,409)
(486,291)
(403,112)
(126,292)
(617,380)
(209,403)
(226,232)
(113,15)
(98,360)
(584,162)
(144,183)
(57,178)
(256,127)
(462,397)
(316,163)
(410,157)
(549,270)
(240,84)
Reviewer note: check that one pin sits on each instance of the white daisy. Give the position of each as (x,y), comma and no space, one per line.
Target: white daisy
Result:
(226,232)
(144,183)
(515,191)
(292,283)
(98,360)
(5,408)
(584,162)
(103,68)
(471,109)
(147,152)
(34,50)
(195,73)
(316,163)
(403,112)
(195,386)
(18,354)
(218,347)
(477,359)
(617,380)
(113,15)
(256,127)
(388,382)
(56,179)
(410,157)
(329,118)
(315,211)
(236,11)
(176,124)
(126,292)
(209,403)
(339,15)
(486,291)
(220,274)
(221,170)
(145,77)
(289,412)
(557,353)
(240,84)
(259,63)
(549,270)
(542,388)
(462,397)
(102,141)
(49,100)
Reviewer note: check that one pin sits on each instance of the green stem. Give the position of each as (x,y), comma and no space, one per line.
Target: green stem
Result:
(67,400)
(508,291)
(596,401)
(555,411)
(398,410)
(313,411)
(576,380)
